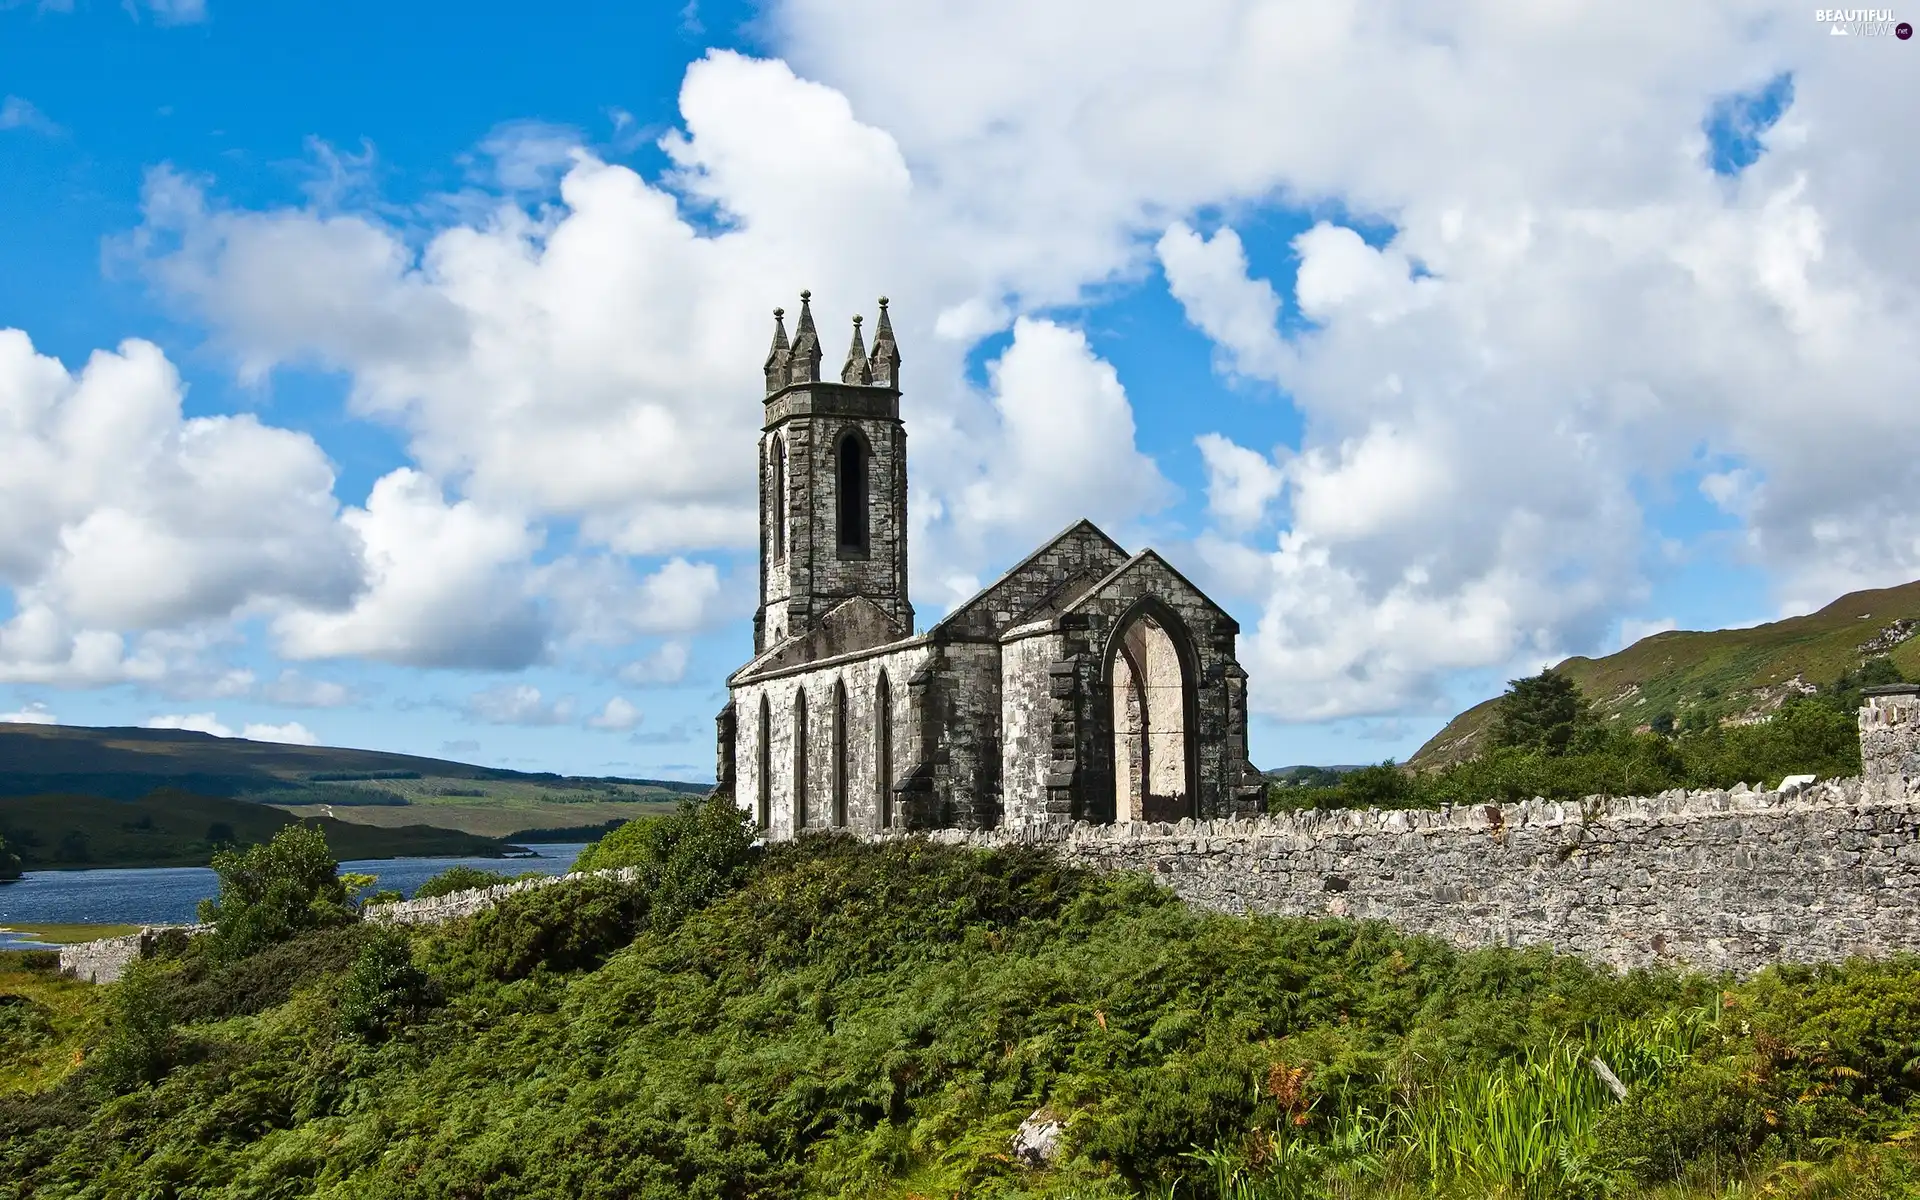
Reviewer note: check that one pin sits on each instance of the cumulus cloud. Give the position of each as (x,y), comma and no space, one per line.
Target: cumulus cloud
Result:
(447,585)
(33,713)
(617,716)
(597,364)
(117,515)
(666,663)
(1530,303)
(519,704)
(292,733)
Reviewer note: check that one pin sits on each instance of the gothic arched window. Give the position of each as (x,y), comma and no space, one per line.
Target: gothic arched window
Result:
(763,776)
(883,750)
(779,499)
(799,759)
(839,753)
(853,491)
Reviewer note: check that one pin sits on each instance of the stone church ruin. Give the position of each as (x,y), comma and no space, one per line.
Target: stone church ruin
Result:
(1085,684)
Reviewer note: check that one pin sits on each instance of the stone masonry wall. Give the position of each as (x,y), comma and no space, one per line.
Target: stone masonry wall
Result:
(1711,879)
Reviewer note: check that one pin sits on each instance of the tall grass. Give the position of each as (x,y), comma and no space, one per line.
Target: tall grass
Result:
(1519,1130)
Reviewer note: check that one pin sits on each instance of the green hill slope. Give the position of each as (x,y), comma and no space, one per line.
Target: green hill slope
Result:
(1724,674)
(172,828)
(363,787)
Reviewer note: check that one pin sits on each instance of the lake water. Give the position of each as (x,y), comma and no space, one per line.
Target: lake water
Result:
(168,895)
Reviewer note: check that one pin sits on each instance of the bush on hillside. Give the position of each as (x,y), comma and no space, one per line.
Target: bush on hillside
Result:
(685,860)
(270,892)
(385,990)
(141,1043)
(1540,712)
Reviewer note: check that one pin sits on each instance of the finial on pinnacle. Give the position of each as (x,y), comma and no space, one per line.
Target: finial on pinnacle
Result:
(883,302)
(805,295)
(778,313)
(856,318)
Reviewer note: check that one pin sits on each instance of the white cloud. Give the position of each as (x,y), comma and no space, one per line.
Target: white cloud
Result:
(302,691)
(17,113)
(119,515)
(618,716)
(447,585)
(1564,305)
(292,733)
(666,663)
(519,704)
(1064,448)
(204,722)
(1240,314)
(34,713)
(1240,483)
(600,364)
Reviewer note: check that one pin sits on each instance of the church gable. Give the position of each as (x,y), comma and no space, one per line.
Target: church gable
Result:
(847,628)
(1039,586)
(1147,575)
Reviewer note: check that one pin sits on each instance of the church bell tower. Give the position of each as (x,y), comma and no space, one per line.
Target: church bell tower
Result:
(833,482)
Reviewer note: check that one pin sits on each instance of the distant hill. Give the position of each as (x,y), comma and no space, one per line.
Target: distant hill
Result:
(172,828)
(358,786)
(1728,674)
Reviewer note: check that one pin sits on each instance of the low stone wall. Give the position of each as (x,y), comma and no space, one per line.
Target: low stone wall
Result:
(1722,880)
(451,907)
(105,960)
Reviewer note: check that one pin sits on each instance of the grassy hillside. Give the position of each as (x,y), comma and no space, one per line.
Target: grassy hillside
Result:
(317,781)
(173,828)
(834,1019)
(1725,674)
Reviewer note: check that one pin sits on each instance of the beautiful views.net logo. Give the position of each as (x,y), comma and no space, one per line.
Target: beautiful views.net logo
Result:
(1862,22)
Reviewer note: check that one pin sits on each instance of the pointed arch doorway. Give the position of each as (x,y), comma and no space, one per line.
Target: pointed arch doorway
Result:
(1150,678)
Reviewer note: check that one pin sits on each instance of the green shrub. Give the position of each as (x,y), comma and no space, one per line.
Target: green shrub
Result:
(1711,1112)
(685,860)
(141,1043)
(461,878)
(270,892)
(207,986)
(384,990)
(567,927)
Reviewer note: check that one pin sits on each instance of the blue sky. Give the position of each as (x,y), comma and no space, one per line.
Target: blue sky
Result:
(1437,348)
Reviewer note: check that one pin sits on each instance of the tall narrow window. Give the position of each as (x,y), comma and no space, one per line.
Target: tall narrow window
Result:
(853,492)
(839,753)
(799,759)
(779,505)
(763,775)
(883,751)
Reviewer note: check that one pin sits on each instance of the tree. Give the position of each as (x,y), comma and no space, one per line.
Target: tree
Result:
(270,892)
(9,861)
(1540,712)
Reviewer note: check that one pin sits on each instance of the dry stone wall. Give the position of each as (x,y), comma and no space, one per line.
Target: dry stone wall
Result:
(107,959)
(1720,880)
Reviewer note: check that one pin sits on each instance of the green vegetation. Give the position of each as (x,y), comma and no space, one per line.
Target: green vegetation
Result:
(1547,741)
(179,829)
(833,1018)
(1689,680)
